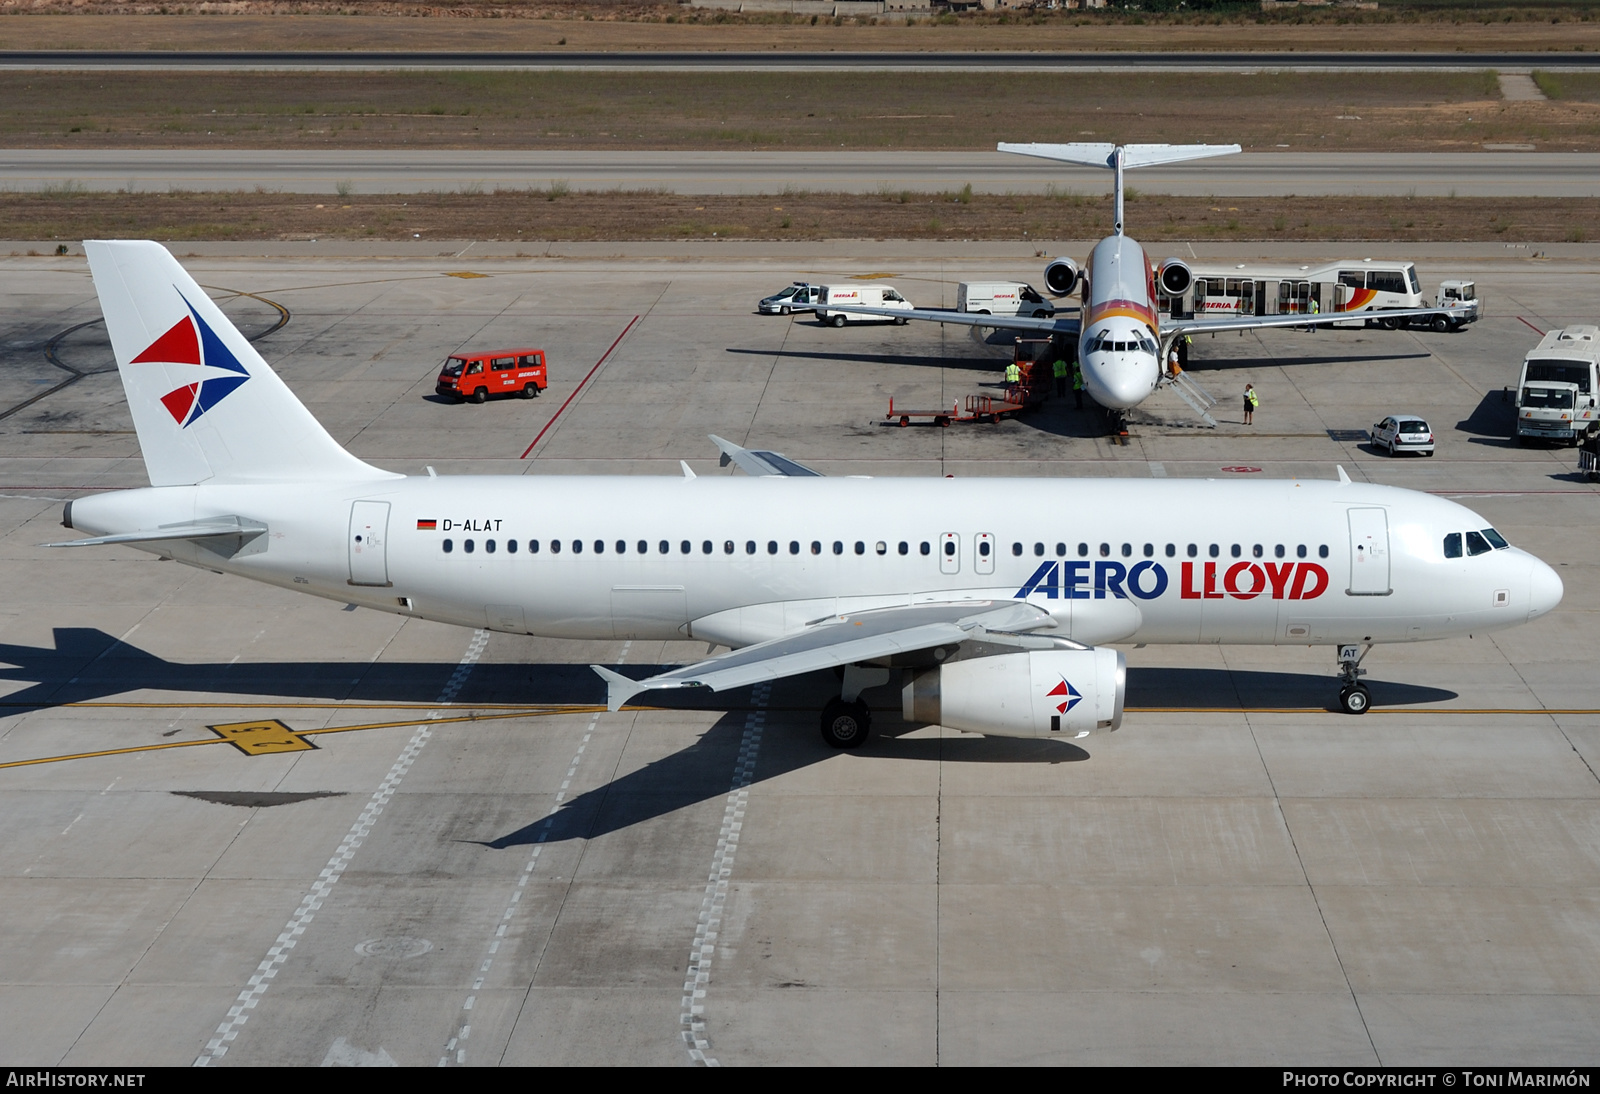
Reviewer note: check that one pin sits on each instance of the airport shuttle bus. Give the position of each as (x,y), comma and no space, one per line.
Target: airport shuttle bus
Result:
(1347,286)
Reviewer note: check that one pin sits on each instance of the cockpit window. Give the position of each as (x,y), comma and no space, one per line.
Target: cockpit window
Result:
(1495,538)
(1477,545)
(1452,545)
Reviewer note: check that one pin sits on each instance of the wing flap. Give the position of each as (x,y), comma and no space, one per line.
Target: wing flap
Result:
(841,640)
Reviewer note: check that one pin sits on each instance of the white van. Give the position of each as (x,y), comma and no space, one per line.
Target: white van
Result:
(860,296)
(1002,298)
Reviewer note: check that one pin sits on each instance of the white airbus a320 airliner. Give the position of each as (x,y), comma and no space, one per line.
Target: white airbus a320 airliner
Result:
(1121,342)
(991,596)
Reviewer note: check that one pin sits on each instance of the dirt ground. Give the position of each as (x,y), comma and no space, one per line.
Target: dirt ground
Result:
(560,215)
(510,26)
(1402,111)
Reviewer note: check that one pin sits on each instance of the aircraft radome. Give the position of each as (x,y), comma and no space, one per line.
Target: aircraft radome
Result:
(994,598)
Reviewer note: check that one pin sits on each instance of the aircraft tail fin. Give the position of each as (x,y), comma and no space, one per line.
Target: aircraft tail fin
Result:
(205,405)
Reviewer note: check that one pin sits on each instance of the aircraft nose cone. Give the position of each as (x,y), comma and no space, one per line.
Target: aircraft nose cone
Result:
(1126,383)
(1544,588)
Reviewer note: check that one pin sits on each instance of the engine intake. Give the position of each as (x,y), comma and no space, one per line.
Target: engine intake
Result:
(1175,277)
(1041,693)
(1061,277)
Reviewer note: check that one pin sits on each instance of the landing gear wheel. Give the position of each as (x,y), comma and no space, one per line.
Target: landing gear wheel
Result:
(481,395)
(1355,700)
(846,725)
(837,320)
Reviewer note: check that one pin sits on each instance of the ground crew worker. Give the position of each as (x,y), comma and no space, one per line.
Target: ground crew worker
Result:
(1077,385)
(1183,350)
(1251,401)
(1060,371)
(1316,309)
(1013,377)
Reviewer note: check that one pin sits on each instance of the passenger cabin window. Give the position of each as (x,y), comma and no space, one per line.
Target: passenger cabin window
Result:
(488,546)
(926,547)
(533,546)
(448,545)
(511,546)
(467,546)
(555,546)
(1452,545)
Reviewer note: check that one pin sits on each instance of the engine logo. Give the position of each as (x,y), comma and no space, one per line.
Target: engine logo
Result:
(1070,699)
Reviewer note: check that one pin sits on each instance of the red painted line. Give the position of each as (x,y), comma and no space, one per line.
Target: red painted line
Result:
(1530,326)
(579,388)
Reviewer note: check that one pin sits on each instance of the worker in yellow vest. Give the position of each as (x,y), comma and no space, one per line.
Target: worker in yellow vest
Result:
(1013,377)
(1060,371)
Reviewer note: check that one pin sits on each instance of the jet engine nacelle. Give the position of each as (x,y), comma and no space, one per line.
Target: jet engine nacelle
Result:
(1061,277)
(1175,277)
(1041,693)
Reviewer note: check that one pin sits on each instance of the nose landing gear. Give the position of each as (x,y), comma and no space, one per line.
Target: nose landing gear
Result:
(1354,698)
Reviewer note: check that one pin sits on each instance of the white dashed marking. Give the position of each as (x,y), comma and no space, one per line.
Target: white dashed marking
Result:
(455,1049)
(257,985)
(697,983)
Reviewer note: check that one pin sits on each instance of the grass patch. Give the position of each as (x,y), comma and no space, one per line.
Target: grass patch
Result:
(645,215)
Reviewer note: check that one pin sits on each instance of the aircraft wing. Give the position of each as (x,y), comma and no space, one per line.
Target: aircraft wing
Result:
(840,640)
(759,463)
(1057,325)
(1256,322)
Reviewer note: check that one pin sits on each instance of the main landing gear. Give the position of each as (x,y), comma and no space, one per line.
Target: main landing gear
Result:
(1354,698)
(846,720)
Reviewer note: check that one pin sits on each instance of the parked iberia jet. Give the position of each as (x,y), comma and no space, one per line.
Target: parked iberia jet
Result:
(993,598)
(1121,342)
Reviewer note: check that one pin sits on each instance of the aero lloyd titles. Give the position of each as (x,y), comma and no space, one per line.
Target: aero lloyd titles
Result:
(1086,579)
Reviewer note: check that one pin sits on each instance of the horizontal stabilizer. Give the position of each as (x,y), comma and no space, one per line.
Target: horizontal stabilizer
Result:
(215,528)
(1133,155)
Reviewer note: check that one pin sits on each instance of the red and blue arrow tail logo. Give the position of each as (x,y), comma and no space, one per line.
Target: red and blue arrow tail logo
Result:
(1070,696)
(192,342)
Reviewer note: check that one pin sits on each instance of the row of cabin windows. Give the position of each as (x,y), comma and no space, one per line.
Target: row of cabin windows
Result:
(685,547)
(1237,550)
(860,547)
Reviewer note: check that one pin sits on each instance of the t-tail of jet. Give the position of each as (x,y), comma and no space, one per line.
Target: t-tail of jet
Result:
(1120,157)
(207,408)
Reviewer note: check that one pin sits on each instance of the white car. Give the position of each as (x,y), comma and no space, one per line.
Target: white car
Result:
(797,297)
(1403,433)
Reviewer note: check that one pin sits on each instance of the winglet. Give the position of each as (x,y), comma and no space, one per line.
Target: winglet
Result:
(688,472)
(619,688)
(1344,480)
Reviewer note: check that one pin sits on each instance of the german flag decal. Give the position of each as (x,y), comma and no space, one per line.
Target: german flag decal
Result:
(427,525)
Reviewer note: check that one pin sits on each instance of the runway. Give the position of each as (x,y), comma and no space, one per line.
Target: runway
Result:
(410,171)
(732,61)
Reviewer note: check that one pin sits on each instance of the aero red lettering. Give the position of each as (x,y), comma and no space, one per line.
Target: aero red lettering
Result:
(1211,582)
(1317,574)
(1278,574)
(1187,590)
(1258,580)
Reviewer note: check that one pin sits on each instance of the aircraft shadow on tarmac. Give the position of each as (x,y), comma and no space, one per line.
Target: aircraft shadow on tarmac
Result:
(995,365)
(87,664)
(1225,364)
(1492,420)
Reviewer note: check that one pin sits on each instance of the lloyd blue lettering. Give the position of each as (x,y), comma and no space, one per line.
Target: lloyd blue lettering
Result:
(1071,581)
